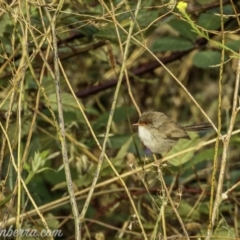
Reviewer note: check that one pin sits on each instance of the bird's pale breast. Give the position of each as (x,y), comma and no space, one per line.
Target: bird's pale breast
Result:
(155,142)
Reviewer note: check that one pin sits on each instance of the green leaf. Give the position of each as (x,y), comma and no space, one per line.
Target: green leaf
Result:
(39,160)
(116,141)
(120,115)
(146,18)
(185,208)
(209,21)
(206,59)
(202,155)
(88,31)
(84,180)
(124,148)
(234,45)
(173,44)
(182,145)
(183,28)
(224,231)
(68,102)
(5,22)
(27,167)
(108,32)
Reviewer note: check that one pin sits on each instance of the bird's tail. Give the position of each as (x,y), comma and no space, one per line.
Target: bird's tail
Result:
(198,127)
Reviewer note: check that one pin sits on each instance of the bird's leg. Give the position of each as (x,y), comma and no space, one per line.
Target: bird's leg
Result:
(160,158)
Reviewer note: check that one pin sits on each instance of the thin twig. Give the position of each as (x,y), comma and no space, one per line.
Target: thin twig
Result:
(24,186)
(226,141)
(118,177)
(61,132)
(171,202)
(215,161)
(65,200)
(172,75)
(85,207)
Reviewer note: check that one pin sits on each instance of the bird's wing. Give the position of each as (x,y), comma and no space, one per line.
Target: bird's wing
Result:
(173,131)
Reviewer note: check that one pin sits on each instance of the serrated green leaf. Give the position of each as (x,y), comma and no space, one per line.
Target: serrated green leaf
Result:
(206,59)
(26,167)
(68,102)
(183,28)
(173,44)
(84,180)
(37,162)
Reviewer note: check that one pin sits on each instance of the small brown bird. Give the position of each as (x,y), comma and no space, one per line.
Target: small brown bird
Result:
(159,133)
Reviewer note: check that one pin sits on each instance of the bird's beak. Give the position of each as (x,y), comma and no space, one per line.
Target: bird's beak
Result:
(136,124)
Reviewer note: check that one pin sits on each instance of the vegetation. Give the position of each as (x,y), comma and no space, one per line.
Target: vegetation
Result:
(76,75)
